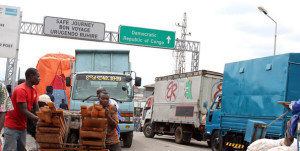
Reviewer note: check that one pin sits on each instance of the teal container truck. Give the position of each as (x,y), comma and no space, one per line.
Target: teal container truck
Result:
(110,69)
(250,94)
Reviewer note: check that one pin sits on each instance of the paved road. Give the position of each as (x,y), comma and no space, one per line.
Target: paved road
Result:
(141,143)
(163,143)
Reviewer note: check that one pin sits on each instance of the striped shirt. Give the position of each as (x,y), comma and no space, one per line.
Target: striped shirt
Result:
(5,102)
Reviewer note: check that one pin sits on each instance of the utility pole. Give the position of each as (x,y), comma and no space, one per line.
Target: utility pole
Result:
(179,55)
(266,13)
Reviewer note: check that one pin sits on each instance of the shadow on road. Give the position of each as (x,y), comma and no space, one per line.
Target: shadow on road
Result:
(193,143)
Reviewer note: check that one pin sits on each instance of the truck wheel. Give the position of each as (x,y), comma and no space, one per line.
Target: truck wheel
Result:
(179,135)
(127,139)
(148,130)
(216,141)
(209,143)
(224,147)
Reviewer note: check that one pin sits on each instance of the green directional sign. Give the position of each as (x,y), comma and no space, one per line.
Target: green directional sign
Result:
(147,37)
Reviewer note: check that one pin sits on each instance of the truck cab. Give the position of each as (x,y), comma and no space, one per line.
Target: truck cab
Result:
(146,114)
(86,84)
(110,69)
(213,122)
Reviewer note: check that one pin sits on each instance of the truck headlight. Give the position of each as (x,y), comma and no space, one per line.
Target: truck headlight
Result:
(127,119)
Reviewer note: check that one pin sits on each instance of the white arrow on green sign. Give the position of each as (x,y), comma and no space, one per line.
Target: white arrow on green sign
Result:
(147,37)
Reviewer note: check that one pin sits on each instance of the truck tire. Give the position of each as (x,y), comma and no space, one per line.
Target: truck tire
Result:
(216,141)
(224,147)
(209,143)
(127,139)
(179,135)
(148,130)
(182,137)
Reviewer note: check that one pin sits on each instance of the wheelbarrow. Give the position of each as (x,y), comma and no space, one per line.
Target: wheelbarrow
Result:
(257,129)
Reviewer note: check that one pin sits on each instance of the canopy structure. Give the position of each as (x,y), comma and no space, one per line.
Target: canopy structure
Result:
(50,66)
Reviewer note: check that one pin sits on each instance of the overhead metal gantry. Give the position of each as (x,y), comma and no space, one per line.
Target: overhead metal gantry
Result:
(110,37)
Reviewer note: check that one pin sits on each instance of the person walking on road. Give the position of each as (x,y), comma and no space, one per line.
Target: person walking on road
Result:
(8,88)
(291,126)
(49,92)
(31,143)
(5,105)
(24,97)
(63,105)
(31,125)
(20,81)
(112,141)
(111,101)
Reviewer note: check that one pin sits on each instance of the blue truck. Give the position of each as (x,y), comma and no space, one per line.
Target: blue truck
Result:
(110,69)
(250,94)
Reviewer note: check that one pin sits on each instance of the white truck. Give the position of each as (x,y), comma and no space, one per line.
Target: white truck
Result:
(147,112)
(178,105)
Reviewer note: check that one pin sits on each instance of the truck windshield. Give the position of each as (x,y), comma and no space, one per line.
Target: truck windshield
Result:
(86,86)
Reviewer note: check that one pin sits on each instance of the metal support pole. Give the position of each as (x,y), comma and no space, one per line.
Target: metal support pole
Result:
(275,34)
(11,63)
(17,56)
(275,38)
(266,13)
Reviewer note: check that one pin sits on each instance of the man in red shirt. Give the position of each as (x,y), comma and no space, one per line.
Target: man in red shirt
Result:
(23,99)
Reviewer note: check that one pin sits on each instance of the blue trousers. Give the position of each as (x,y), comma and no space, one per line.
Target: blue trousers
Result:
(15,140)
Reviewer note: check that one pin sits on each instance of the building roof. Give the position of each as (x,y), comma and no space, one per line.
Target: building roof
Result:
(149,86)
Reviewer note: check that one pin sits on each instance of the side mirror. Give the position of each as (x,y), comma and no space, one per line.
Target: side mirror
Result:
(205,104)
(138,81)
(128,78)
(68,81)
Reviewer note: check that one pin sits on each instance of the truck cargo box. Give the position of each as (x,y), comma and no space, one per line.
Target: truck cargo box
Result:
(102,60)
(252,88)
(179,98)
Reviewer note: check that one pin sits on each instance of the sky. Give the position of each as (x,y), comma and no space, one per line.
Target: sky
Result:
(228,30)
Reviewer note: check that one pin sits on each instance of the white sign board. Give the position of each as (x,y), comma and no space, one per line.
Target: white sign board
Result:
(70,28)
(9,30)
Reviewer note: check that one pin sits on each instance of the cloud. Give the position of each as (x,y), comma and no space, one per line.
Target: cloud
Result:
(293,37)
(237,8)
(262,30)
(249,28)
(261,50)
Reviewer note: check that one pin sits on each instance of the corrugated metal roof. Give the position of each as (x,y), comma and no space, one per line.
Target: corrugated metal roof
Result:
(188,74)
(149,86)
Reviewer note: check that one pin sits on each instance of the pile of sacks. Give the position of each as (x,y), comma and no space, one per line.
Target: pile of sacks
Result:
(94,127)
(271,145)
